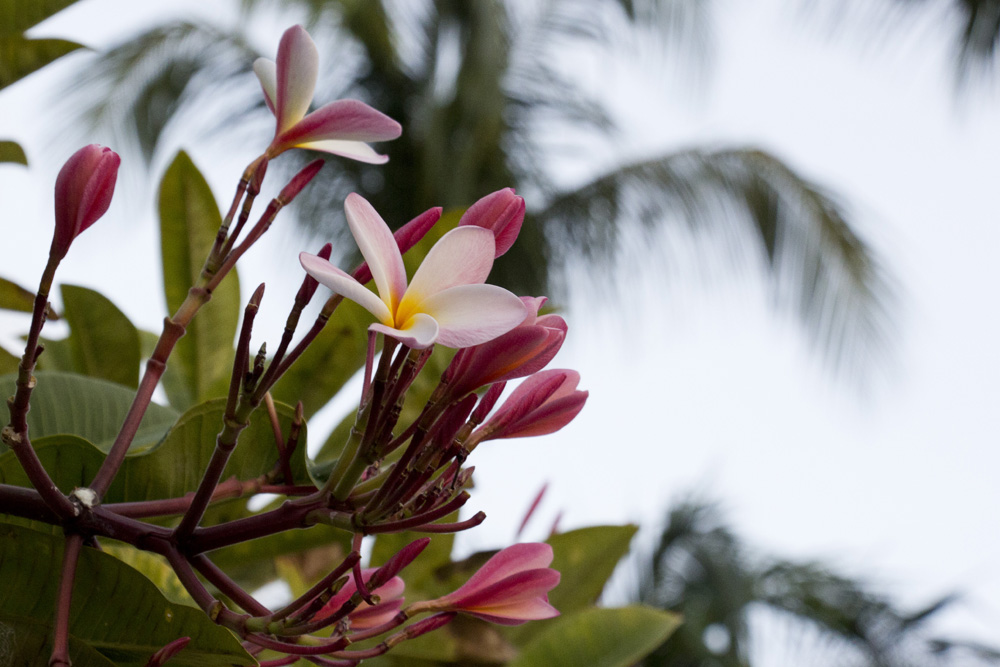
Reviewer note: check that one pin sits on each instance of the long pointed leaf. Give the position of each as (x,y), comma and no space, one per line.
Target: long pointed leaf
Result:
(19,56)
(189,221)
(103,342)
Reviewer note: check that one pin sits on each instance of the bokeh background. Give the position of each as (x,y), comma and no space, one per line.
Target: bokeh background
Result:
(771,225)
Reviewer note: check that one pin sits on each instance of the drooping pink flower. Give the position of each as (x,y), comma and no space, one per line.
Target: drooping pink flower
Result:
(390,596)
(445,302)
(542,404)
(84,189)
(501,212)
(510,589)
(341,128)
(523,350)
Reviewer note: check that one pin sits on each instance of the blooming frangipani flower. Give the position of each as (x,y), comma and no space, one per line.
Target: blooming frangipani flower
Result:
(340,127)
(542,404)
(523,350)
(83,194)
(445,302)
(390,599)
(510,589)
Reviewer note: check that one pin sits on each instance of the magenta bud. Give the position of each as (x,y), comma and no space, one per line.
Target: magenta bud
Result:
(406,237)
(84,189)
(489,399)
(428,624)
(300,181)
(502,213)
(540,405)
(399,560)
(454,419)
(309,284)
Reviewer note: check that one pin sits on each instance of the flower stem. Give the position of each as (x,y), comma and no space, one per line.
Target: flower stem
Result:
(60,639)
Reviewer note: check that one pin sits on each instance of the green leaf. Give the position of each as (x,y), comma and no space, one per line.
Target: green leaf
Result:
(104,343)
(28,642)
(599,638)
(189,222)
(586,558)
(330,361)
(19,15)
(15,297)
(115,609)
(93,409)
(11,151)
(8,362)
(20,56)
(152,566)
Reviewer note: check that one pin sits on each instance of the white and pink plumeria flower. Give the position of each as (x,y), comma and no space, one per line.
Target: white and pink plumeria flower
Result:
(446,302)
(341,128)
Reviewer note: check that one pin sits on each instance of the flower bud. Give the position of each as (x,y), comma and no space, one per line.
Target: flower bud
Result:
(83,193)
(502,213)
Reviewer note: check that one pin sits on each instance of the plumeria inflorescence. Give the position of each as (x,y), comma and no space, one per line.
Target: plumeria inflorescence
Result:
(393,474)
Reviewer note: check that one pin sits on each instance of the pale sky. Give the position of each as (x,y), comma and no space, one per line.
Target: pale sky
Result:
(701,387)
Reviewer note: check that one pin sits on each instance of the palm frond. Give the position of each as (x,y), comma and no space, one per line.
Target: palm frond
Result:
(749,201)
(136,89)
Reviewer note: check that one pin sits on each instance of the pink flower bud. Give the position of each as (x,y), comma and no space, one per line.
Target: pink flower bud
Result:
(510,589)
(83,193)
(540,405)
(502,213)
(523,350)
(390,596)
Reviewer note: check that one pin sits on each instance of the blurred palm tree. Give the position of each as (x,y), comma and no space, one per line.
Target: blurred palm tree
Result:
(742,610)
(482,89)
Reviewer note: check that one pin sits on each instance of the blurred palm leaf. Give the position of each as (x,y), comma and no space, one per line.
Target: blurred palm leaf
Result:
(742,610)
(480,87)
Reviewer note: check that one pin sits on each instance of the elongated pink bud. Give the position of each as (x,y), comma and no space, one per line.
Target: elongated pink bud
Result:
(523,350)
(542,404)
(300,181)
(501,212)
(84,189)
(390,599)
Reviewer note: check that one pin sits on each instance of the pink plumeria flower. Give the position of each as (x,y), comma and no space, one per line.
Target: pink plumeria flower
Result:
(365,616)
(340,127)
(445,302)
(510,589)
(83,194)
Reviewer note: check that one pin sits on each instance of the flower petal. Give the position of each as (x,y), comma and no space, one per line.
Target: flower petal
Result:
(420,332)
(356,150)
(379,249)
(518,587)
(295,80)
(463,256)
(267,73)
(472,314)
(350,120)
(504,563)
(516,614)
(343,284)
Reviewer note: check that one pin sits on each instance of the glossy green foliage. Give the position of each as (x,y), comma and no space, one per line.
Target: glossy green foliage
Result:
(201,364)
(599,638)
(115,611)
(65,403)
(103,343)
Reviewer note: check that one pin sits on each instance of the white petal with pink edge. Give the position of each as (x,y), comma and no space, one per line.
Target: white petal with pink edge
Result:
(267,73)
(351,120)
(356,150)
(463,256)
(297,69)
(472,314)
(378,247)
(341,283)
(421,331)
